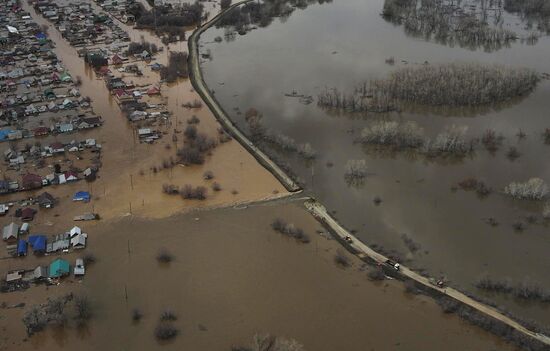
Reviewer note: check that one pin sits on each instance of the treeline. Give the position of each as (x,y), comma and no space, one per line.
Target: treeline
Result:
(448,23)
(170,20)
(454,84)
(262,13)
(138,48)
(176,68)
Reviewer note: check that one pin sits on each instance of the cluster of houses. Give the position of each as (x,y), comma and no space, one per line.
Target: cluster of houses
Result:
(12,235)
(68,126)
(37,154)
(33,83)
(50,274)
(80,24)
(119,9)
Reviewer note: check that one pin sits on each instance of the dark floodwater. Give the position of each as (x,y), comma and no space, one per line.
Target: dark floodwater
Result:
(345,42)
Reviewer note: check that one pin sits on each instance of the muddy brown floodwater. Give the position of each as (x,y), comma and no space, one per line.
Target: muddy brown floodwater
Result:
(232,276)
(343,43)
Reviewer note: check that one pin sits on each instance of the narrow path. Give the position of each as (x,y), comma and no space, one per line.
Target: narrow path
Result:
(316,208)
(195,75)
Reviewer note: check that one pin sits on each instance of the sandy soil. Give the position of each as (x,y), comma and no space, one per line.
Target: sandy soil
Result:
(233,276)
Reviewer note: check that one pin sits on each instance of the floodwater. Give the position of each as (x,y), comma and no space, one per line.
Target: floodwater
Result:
(344,43)
(232,276)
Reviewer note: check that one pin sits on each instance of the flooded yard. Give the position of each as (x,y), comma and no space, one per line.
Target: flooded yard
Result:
(406,197)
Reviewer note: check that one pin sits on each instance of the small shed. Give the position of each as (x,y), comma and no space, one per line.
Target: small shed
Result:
(59,268)
(79,268)
(24,228)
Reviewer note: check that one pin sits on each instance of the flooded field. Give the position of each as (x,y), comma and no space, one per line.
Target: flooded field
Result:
(406,197)
(232,276)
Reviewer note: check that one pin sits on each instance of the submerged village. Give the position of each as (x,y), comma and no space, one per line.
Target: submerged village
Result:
(141,210)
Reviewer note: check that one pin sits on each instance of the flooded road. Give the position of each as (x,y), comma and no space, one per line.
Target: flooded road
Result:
(342,44)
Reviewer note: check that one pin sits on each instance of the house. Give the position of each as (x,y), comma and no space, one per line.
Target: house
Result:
(153,90)
(79,268)
(145,55)
(59,268)
(41,131)
(4,209)
(116,60)
(104,71)
(57,148)
(71,176)
(38,243)
(27,214)
(79,241)
(31,181)
(83,196)
(75,231)
(65,77)
(21,248)
(40,273)
(89,122)
(66,127)
(49,94)
(122,95)
(10,233)
(46,200)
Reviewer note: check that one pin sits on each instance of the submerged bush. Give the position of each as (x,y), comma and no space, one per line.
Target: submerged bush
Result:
(392,133)
(450,141)
(288,229)
(533,189)
(165,331)
(356,171)
(266,342)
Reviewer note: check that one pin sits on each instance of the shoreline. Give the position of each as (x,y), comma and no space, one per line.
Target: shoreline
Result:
(318,211)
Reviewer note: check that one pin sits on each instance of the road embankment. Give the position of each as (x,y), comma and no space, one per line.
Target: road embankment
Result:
(197,80)
(366,253)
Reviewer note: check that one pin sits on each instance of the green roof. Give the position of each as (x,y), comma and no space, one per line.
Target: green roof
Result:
(59,268)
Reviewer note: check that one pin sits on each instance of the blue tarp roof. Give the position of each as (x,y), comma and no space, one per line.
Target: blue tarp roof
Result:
(4,133)
(82,195)
(40,36)
(38,242)
(21,247)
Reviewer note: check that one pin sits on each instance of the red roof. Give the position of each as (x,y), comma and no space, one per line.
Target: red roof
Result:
(27,213)
(104,70)
(56,145)
(41,131)
(116,60)
(120,92)
(153,90)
